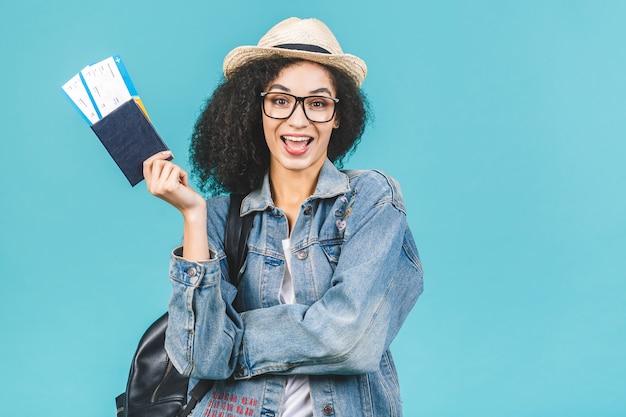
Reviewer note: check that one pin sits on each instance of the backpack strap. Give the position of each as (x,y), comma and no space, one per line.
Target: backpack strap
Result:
(197,392)
(236,248)
(236,237)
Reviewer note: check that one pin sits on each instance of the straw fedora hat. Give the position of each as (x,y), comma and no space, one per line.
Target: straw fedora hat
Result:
(308,39)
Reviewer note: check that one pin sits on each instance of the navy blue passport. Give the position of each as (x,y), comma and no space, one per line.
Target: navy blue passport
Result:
(130,139)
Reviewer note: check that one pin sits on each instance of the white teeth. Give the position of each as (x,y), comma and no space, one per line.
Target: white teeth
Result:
(296,138)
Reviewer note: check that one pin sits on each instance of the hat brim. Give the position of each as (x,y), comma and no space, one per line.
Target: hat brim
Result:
(352,65)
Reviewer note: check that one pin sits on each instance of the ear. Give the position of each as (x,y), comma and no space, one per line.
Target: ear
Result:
(336,122)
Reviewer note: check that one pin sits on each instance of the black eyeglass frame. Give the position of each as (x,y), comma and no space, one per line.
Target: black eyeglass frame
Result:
(298,100)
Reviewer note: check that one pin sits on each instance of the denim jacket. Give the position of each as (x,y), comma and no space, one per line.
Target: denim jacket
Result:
(356,275)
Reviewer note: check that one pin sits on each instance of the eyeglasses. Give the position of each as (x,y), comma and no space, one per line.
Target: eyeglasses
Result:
(318,109)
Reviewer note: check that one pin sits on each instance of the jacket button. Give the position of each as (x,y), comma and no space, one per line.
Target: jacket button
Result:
(302,255)
(308,210)
(240,370)
(328,409)
(192,272)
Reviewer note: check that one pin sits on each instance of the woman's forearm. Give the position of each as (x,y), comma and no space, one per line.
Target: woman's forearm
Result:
(195,238)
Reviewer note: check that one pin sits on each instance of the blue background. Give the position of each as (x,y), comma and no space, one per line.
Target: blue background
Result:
(503,121)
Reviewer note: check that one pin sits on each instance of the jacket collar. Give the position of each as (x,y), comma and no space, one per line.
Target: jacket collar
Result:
(330,183)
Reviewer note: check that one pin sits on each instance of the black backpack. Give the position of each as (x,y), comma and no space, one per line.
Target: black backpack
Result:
(155,388)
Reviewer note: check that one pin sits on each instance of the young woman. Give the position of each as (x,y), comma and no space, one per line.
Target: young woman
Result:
(332,268)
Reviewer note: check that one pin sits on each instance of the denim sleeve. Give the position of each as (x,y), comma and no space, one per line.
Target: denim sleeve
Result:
(376,283)
(214,354)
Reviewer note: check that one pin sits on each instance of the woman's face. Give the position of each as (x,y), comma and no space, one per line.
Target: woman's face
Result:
(296,144)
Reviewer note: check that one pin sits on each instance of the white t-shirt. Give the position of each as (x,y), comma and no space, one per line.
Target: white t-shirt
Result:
(297,400)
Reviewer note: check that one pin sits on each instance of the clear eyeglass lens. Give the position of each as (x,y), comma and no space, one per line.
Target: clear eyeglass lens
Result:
(316,108)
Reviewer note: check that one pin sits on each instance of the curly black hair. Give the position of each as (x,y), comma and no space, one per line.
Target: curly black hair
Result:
(228,150)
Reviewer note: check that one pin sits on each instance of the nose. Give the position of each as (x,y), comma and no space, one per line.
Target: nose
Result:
(298,117)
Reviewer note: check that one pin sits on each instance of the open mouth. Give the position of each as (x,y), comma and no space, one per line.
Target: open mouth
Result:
(296,143)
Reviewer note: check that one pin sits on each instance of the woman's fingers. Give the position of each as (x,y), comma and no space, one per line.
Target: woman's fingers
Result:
(184,178)
(169,182)
(169,178)
(149,163)
(156,169)
(165,178)
(157,156)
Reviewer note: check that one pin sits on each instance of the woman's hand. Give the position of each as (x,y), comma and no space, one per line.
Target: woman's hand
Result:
(169,182)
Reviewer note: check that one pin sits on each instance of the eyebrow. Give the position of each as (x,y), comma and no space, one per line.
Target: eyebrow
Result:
(287,90)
